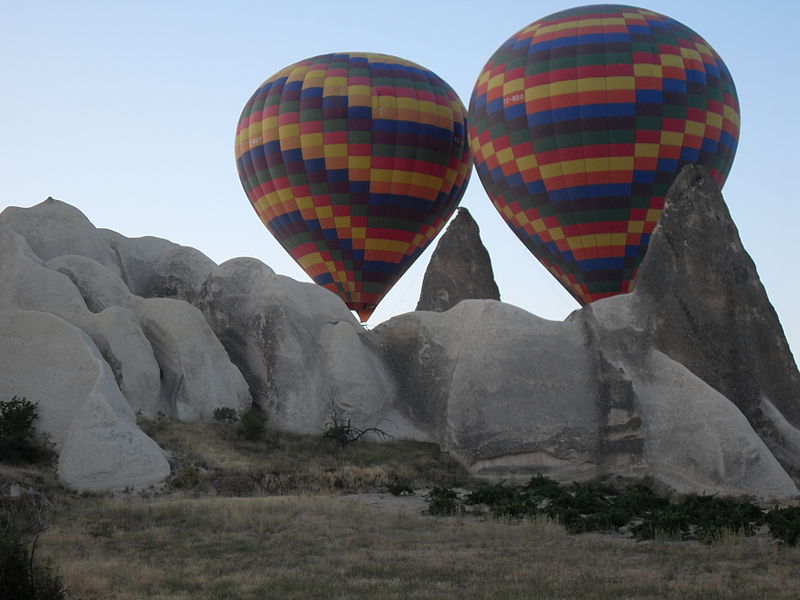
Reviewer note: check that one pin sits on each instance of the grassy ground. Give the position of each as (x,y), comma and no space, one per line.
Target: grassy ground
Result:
(276,520)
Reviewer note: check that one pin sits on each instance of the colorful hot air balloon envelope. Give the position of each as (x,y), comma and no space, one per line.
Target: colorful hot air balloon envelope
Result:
(354,162)
(580,122)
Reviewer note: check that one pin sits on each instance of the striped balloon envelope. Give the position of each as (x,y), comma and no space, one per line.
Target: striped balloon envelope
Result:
(354,162)
(580,122)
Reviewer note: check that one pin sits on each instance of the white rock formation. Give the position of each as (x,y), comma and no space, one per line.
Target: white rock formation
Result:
(297,345)
(511,394)
(97,327)
(56,365)
(161,354)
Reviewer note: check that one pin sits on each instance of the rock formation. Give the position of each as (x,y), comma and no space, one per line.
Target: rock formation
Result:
(511,394)
(297,345)
(687,380)
(460,268)
(638,364)
(699,297)
(47,360)
(148,356)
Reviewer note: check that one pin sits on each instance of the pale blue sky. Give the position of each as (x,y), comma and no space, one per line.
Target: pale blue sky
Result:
(127,110)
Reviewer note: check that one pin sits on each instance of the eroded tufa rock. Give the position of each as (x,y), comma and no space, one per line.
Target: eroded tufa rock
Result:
(460,268)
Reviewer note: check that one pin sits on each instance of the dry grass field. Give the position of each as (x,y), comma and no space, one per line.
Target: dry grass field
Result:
(288,518)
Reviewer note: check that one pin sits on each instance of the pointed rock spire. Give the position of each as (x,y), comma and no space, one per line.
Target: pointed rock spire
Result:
(460,268)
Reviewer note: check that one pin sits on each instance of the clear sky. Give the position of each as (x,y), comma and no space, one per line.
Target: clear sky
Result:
(127,110)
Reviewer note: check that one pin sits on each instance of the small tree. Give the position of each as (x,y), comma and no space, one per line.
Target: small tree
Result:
(342,431)
(18,439)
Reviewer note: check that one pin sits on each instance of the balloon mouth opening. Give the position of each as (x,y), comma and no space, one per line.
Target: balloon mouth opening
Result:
(363,311)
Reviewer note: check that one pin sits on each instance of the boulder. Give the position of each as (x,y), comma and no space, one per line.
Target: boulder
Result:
(54,364)
(460,268)
(297,345)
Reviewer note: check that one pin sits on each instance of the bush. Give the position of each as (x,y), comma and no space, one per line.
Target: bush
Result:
(226,414)
(344,432)
(187,478)
(581,508)
(18,439)
(443,502)
(251,426)
(784,524)
(22,578)
(400,486)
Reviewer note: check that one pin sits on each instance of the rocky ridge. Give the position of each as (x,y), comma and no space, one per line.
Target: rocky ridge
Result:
(687,380)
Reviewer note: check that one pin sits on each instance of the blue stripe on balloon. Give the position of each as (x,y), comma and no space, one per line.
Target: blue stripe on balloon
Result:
(359,112)
(314,165)
(337,175)
(514,180)
(696,76)
(536,187)
(412,127)
(649,96)
(601,264)
(311,92)
(587,111)
(726,139)
(690,155)
(323,279)
(674,85)
(516,111)
(667,164)
(631,251)
(398,200)
(494,105)
(378,266)
(709,145)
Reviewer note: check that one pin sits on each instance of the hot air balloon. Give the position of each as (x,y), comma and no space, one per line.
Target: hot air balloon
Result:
(580,122)
(354,162)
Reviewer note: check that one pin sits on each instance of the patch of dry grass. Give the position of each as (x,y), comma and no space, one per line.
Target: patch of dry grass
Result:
(211,459)
(321,546)
(270,520)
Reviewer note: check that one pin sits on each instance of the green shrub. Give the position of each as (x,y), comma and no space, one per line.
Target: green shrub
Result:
(581,508)
(784,524)
(251,426)
(702,518)
(443,502)
(226,414)
(400,486)
(187,478)
(18,439)
(22,578)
